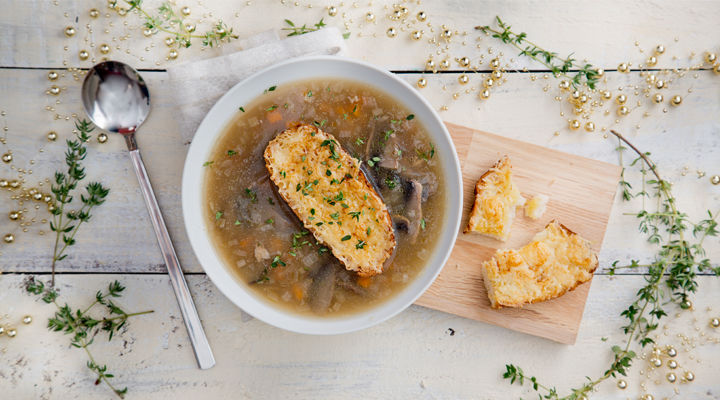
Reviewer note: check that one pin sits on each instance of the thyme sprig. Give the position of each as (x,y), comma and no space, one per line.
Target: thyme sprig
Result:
(585,74)
(169,21)
(294,30)
(66,223)
(84,327)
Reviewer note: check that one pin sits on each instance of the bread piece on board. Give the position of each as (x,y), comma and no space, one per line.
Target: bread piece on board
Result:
(326,189)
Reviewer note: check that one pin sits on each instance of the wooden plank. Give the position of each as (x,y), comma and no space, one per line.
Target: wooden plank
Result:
(412,355)
(577,27)
(581,194)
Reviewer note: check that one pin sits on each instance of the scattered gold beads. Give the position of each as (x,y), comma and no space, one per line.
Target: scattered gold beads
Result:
(69,31)
(446,34)
(173,54)
(651,61)
(496,74)
(715,322)
(650,79)
(391,32)
(14,215)
(12,333)
(14,184)
(659,49)
(52,75)
(495,63)
(676,100)
(463,79)
(421,83)
(463,61)
(574,124)
(169,41)
(417,35)
(660,84)
(430,64)
(671,351)
(647,397)
(3,183)
(689,376)
(83,55)
(590,127)
(606,94)
(488,83)
(147,32)
(623,110)
(672,364)
(189,27)
(122,11)
(369,17)
(716,69)
(2,330)
(102,138)
(54,90)
(332,11)
(37,196)
(7,158)
(445,64)
(622,384)
(485,94)
(94,13)
(564,85)
(621,99)
(715,180)
(656,362)
(52,136)
(9,238)
(185,11)
(710,58)
(104,48)
(600,72)
(658,98)
(623,67)
(27,319)
(671,377)
(421,16)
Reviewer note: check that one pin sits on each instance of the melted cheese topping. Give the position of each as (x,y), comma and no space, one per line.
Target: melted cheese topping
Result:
(326,189)
(496,197)
(556,261)
(536,206)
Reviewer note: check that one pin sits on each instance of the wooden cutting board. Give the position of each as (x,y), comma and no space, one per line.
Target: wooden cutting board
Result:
(581,194)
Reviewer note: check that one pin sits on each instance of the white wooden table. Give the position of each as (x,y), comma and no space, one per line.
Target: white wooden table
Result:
(414,355)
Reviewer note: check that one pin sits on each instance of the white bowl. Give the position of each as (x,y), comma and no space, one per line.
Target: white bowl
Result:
(248,90)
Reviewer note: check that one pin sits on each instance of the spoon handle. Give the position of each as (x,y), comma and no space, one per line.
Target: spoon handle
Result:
(203,353)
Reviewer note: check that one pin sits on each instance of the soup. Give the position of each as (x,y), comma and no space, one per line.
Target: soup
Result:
(264,243)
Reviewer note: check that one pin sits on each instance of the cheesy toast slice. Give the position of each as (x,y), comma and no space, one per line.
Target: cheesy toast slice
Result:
(326,189)
(496,197)
(555,262)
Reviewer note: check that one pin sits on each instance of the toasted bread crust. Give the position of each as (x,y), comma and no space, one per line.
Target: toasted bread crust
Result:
(554,263)
(326,189)
(496,197)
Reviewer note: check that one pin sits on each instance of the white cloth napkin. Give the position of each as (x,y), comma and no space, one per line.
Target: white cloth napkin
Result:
(197,85)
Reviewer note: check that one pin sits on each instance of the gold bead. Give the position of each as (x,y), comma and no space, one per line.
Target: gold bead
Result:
(488,83)
(676,100)
(369,17)
(3,183)
(623,110)
(590,127)
(169,41)
(672,364)
(102,138)
(496,74)
(650,79)
(104,48)
(648,397)
(189,27)
(464,61)
(485,94)
(710,58)
(147,32)
(69,31)
(397,14)
(715,322)
(715,180)
(671,351)
(9,238)
(112,4)
(447,34)
(2,330)
(52,75)
(716,69)
(606,95)
(622,384)
(14,215)
(660,84)
(621,99)
(658,98)
(421,83)
(656,362)
(94,13)
(51,207)
(575,95)
(671,377)
(600,72)
(659,49)
(583,98)
(495,63)
(185,11)
(54,90)
(686,305)
(574,124)
(173,54)
(564,85)
(430,64)
(12,333)
(578,110)
(417,35)
(27,319)
(445,64)
(403,10)
(14,184)
(463,79)
(652,60)
(689,376)
(37,196)
(122,11)
(391,32)
(83,55)
(421,16)
(623,67)
(52,136)
(32,191)
(47,198)
(7,158)
(332,11)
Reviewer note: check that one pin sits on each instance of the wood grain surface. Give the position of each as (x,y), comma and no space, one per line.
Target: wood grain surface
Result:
(581,194)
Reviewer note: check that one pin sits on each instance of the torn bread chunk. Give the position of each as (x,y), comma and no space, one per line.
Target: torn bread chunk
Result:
(555,262)
(496,197)
(536,206)
(326,189)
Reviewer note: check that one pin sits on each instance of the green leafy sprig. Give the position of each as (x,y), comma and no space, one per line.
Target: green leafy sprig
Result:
(84,327)
(585,74)
(294,30)
(168,21)
(66,223)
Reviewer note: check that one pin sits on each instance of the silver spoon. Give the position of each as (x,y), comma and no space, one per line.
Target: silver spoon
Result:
(116,99)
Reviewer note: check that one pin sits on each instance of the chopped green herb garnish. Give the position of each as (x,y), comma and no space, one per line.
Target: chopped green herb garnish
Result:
(208,163)
(360,244)
(270,200)
(359,141)
(241,109)
(426,156)
(344,205)
(270,89)
(346,35)
(269,221)
(237,222)
(345,115)
(251,194)
(335,216)
(368,231)
(218,215)
(390,182)
(355,214)
(346,238)
(410,117)
(422,223)
(322,250)
(277,261)
(231,152)
(312,211)
(328,172)
(354,109)
(272,107)
(303,158)
(371,162)
(309,93)
(283,174)
(388,133)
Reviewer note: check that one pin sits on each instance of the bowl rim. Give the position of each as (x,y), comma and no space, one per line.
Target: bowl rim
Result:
(228,283)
